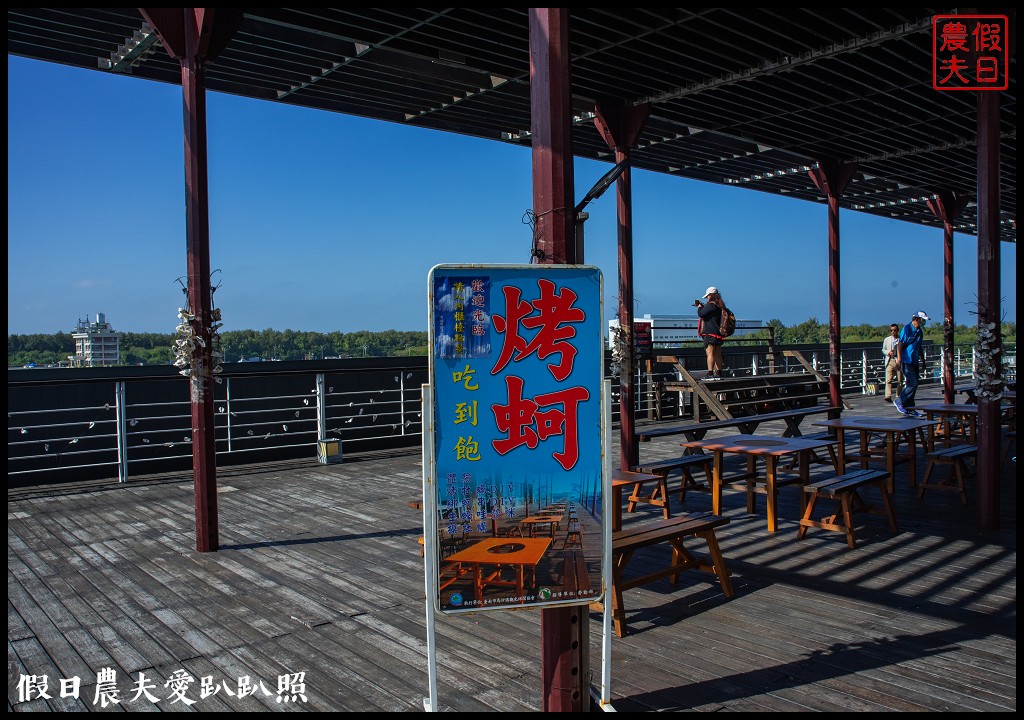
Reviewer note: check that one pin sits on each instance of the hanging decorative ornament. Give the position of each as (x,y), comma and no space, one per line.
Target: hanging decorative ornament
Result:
(620,356)
(189,346)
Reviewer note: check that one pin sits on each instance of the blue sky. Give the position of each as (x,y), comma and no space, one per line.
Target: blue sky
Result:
(323,222)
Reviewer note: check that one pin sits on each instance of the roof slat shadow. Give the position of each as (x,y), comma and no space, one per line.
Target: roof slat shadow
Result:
(750,98)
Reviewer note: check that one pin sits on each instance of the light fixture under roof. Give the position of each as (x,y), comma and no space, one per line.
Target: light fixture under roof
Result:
(133,51)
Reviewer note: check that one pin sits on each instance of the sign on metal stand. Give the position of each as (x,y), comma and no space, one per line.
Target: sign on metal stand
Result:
(605,691)
(429,547)
(516,435)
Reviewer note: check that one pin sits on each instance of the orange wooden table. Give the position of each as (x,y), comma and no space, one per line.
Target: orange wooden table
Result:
(966,414)
(894,428)
(497,553)
(770,449)
(553,522)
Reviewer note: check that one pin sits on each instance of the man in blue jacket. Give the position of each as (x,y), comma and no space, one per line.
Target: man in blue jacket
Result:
(909,357)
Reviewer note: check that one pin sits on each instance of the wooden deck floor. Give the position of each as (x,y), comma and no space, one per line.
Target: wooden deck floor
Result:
(319,572)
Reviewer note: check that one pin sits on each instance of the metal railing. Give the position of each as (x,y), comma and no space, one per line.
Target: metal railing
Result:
(70,424)
(136,426)
(862,370)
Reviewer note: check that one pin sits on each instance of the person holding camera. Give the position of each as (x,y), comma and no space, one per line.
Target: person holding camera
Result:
(709,328)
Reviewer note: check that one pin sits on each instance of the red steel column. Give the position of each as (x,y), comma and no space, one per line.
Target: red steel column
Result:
(620,127)
(947,207)
(831,177)
(197,229)
(551,136)
(990,343)
(564,631)
(191,37)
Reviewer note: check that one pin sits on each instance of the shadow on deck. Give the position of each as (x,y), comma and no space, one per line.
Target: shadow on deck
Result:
(319,573)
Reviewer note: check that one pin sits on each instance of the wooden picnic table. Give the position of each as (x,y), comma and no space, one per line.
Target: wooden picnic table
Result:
(746,424)
(970,391)
(522,554)
(966,415)
(769,449)
(894,428)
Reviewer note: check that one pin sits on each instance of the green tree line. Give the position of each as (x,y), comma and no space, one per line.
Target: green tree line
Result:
(238,345)
(156,348)
(811,332)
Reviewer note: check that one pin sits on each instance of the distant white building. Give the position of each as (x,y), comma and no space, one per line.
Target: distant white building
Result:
(96,343)
(671,330)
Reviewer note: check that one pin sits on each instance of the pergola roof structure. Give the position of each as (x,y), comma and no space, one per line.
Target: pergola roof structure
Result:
(752,98)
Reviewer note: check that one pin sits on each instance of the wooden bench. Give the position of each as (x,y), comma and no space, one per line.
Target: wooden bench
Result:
(573,532)
(575,577)
(956,457)
(747,394)
(769,393)
(674,531)
(746,424)
(685,464)
(635,481)
(844,489)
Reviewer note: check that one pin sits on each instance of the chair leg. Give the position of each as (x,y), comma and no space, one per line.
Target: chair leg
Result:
(808,514)
(924,481)
(960,469)
(887,504)
(846,498)
(719,562)
(833,457)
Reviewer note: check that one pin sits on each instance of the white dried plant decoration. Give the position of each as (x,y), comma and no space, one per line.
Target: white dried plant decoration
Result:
(988,364)
(620,352)
(189,345)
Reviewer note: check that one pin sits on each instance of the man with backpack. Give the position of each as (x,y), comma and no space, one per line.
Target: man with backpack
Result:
(713,329)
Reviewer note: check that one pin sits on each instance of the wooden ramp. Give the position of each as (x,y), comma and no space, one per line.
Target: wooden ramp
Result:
(742,395)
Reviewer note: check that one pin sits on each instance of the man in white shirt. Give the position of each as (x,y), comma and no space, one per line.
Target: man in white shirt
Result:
(892,368)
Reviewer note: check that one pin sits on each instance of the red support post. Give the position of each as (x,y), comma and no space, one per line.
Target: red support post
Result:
(620,126)
(551,136)
(197,229)
(947,207)
(564,631)
(990,371)
(831,177)
(192,37)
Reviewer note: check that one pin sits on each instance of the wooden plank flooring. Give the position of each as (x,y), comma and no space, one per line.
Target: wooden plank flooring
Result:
(319,572)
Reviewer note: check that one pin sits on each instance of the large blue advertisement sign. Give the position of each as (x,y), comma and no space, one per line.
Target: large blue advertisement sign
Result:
(516,370)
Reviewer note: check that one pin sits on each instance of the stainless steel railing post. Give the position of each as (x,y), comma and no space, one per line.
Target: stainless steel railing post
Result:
(321,407)
(122,431)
